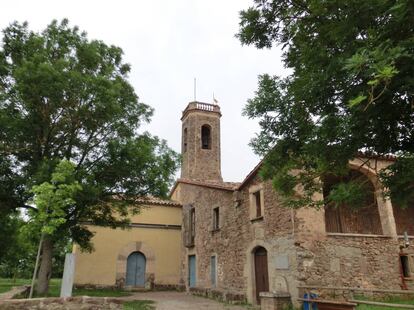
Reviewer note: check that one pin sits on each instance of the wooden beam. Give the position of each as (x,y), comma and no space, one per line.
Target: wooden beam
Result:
(381,304)
(325,301)
(359,289)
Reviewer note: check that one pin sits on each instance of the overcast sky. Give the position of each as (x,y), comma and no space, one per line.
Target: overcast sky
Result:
(168,43)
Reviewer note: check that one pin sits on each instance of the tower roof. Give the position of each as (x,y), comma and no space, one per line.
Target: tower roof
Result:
(201,106)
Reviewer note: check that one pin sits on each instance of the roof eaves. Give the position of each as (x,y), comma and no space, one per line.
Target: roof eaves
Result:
(222,186)
(251,175)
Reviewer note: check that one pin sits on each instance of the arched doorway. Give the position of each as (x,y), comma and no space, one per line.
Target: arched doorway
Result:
(260,271)
(135,274)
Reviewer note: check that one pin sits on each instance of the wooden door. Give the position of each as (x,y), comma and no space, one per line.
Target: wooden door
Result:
(135,275)
(261,272)
(192,270)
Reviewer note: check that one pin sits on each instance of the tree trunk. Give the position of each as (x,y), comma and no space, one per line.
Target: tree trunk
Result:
(45,271)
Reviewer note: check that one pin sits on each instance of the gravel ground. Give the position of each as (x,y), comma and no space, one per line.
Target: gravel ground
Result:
(183,301)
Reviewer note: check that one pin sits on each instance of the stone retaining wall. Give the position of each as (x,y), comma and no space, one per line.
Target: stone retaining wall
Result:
(220,295)
(351,261)
(156,287)
(22,291)
(70,303)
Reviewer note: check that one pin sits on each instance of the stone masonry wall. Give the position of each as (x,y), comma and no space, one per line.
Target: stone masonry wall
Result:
(69,303)
(299,250)
(351,261)
(310,256)
(207,242)
(198,163)
(238,236)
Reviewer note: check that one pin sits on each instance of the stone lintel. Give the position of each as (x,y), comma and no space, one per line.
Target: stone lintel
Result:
(274,294)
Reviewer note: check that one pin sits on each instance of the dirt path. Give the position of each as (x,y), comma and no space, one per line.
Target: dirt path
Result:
(182,301)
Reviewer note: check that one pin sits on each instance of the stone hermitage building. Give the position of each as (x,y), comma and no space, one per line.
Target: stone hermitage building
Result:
(234,240)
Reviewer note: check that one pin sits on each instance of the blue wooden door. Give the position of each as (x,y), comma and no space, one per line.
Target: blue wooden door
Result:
(192,270)
(135,275)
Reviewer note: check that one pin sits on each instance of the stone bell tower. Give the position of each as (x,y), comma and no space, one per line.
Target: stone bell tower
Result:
(200,147)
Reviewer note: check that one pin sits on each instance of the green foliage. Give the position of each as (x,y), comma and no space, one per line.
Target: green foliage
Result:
(352,194)
(351,90)
(64,97)
(392,299)
(19,242)
(55,284)
(399,181)
(7,284)
(357,100)
(9,225)
(16,250)
(54,198)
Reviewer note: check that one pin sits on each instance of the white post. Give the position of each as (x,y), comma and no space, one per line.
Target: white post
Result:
(36,266)
(68,275)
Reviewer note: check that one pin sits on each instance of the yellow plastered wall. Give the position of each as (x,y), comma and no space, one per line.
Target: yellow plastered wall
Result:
(102,265)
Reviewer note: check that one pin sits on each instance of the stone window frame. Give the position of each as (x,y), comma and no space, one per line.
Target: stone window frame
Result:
(216,219)
(253,191)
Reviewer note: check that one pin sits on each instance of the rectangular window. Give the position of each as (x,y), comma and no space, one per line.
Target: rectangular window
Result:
(213,269)
(405,265)
(216,218)
(192,225)
(258,203)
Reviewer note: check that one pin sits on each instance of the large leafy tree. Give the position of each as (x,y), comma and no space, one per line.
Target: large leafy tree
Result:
(63,96)
(19,241)
(351,89)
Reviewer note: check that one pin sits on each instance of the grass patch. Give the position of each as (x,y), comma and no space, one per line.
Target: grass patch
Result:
(54,289)
(7,284)
(138,305)
(409,300)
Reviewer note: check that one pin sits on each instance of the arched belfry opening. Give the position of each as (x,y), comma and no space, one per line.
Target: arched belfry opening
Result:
(206,137)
